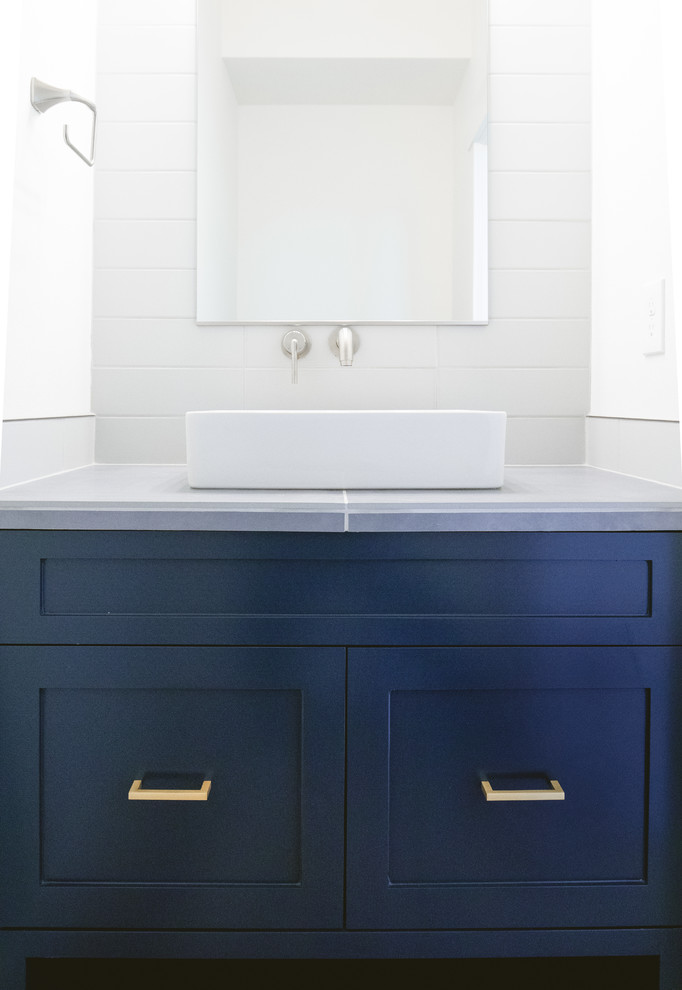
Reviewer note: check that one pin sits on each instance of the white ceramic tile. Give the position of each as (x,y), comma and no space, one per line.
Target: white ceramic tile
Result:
(643,448)
(147,11)
(539,295)
(377,347)
(164,391)
(145,195)
(30,449)
(517,391)
(153,294)
(34,448)
(396,347)
(132,440)
(135,97)
(156,48)
(539,11)
(539,147)
(156,343)
(78,442)
(147,147)
(545,440)
(516,343)
(539,49)
(340,388)
(651,449)
(539,244)
(602,437)
(145,244)
(539,98)
(539,196)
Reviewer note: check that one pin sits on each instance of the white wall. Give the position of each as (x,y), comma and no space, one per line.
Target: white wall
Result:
(10,26)
(631,238)
(151,361)
(50,288)
(671,33)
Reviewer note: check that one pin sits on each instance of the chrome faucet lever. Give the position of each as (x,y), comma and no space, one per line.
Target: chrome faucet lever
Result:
(346,344)
(296,343)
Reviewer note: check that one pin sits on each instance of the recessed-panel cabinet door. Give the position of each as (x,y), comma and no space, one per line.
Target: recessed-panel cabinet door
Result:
(165,787)
(513,787)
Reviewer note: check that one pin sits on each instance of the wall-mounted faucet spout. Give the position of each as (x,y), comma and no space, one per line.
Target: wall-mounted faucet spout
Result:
(346,345)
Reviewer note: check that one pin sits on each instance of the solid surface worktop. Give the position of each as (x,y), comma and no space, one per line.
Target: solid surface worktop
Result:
(158,497)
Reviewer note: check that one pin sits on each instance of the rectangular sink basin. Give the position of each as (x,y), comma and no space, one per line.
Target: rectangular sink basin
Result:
(375,449)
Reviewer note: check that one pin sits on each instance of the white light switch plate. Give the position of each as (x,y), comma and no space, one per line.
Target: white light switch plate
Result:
(653,317)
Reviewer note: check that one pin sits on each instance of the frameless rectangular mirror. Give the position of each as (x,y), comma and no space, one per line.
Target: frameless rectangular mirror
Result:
(342,161)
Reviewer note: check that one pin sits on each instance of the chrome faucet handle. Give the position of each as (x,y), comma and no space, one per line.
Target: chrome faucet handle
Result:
(296,343)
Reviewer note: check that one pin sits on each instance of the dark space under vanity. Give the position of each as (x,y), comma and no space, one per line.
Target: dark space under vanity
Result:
(347,694)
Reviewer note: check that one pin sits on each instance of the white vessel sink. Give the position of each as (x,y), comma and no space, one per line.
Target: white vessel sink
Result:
(440,448)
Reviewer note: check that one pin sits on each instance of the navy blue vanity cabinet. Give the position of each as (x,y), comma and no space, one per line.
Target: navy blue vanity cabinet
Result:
(340,746)
(261,731)
(428,727)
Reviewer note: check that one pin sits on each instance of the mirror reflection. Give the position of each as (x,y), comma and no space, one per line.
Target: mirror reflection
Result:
(342,161)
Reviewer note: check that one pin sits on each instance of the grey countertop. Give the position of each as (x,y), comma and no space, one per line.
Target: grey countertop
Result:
(158,497)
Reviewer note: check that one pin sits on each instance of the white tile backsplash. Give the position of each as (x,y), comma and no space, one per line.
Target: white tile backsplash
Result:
(543,440)
(340,388)
(534,12)
(176,343)
(546,50)
(539,196)
(539,244)
(155,147)
(36,448)
(539,99)
(145,244)
(521,391)
(167,391)
(146,195)
(153,48)
(144,293)
(146,98)
(151,361)
(516,344)
(545,147)
(135,12)
(642,448)
(540,294)
(140,440)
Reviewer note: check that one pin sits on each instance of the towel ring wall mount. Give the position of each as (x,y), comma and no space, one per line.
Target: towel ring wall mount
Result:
(44,96)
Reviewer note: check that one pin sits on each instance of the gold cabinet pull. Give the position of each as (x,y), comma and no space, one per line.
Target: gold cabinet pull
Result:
(138,793)
(524,794)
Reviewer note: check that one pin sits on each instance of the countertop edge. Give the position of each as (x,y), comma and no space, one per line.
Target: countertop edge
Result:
(534,517)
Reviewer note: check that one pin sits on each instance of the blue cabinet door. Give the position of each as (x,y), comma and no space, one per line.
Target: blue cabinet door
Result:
(237,819)
(453,819)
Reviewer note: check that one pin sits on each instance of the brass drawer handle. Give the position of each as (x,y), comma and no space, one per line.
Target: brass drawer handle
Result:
(137,793)
(524,794)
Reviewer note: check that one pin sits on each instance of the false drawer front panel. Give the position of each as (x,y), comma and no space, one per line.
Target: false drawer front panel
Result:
(513,788)
(339,588)
(172,788)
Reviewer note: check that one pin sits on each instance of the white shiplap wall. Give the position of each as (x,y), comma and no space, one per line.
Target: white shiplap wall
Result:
(151,362)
